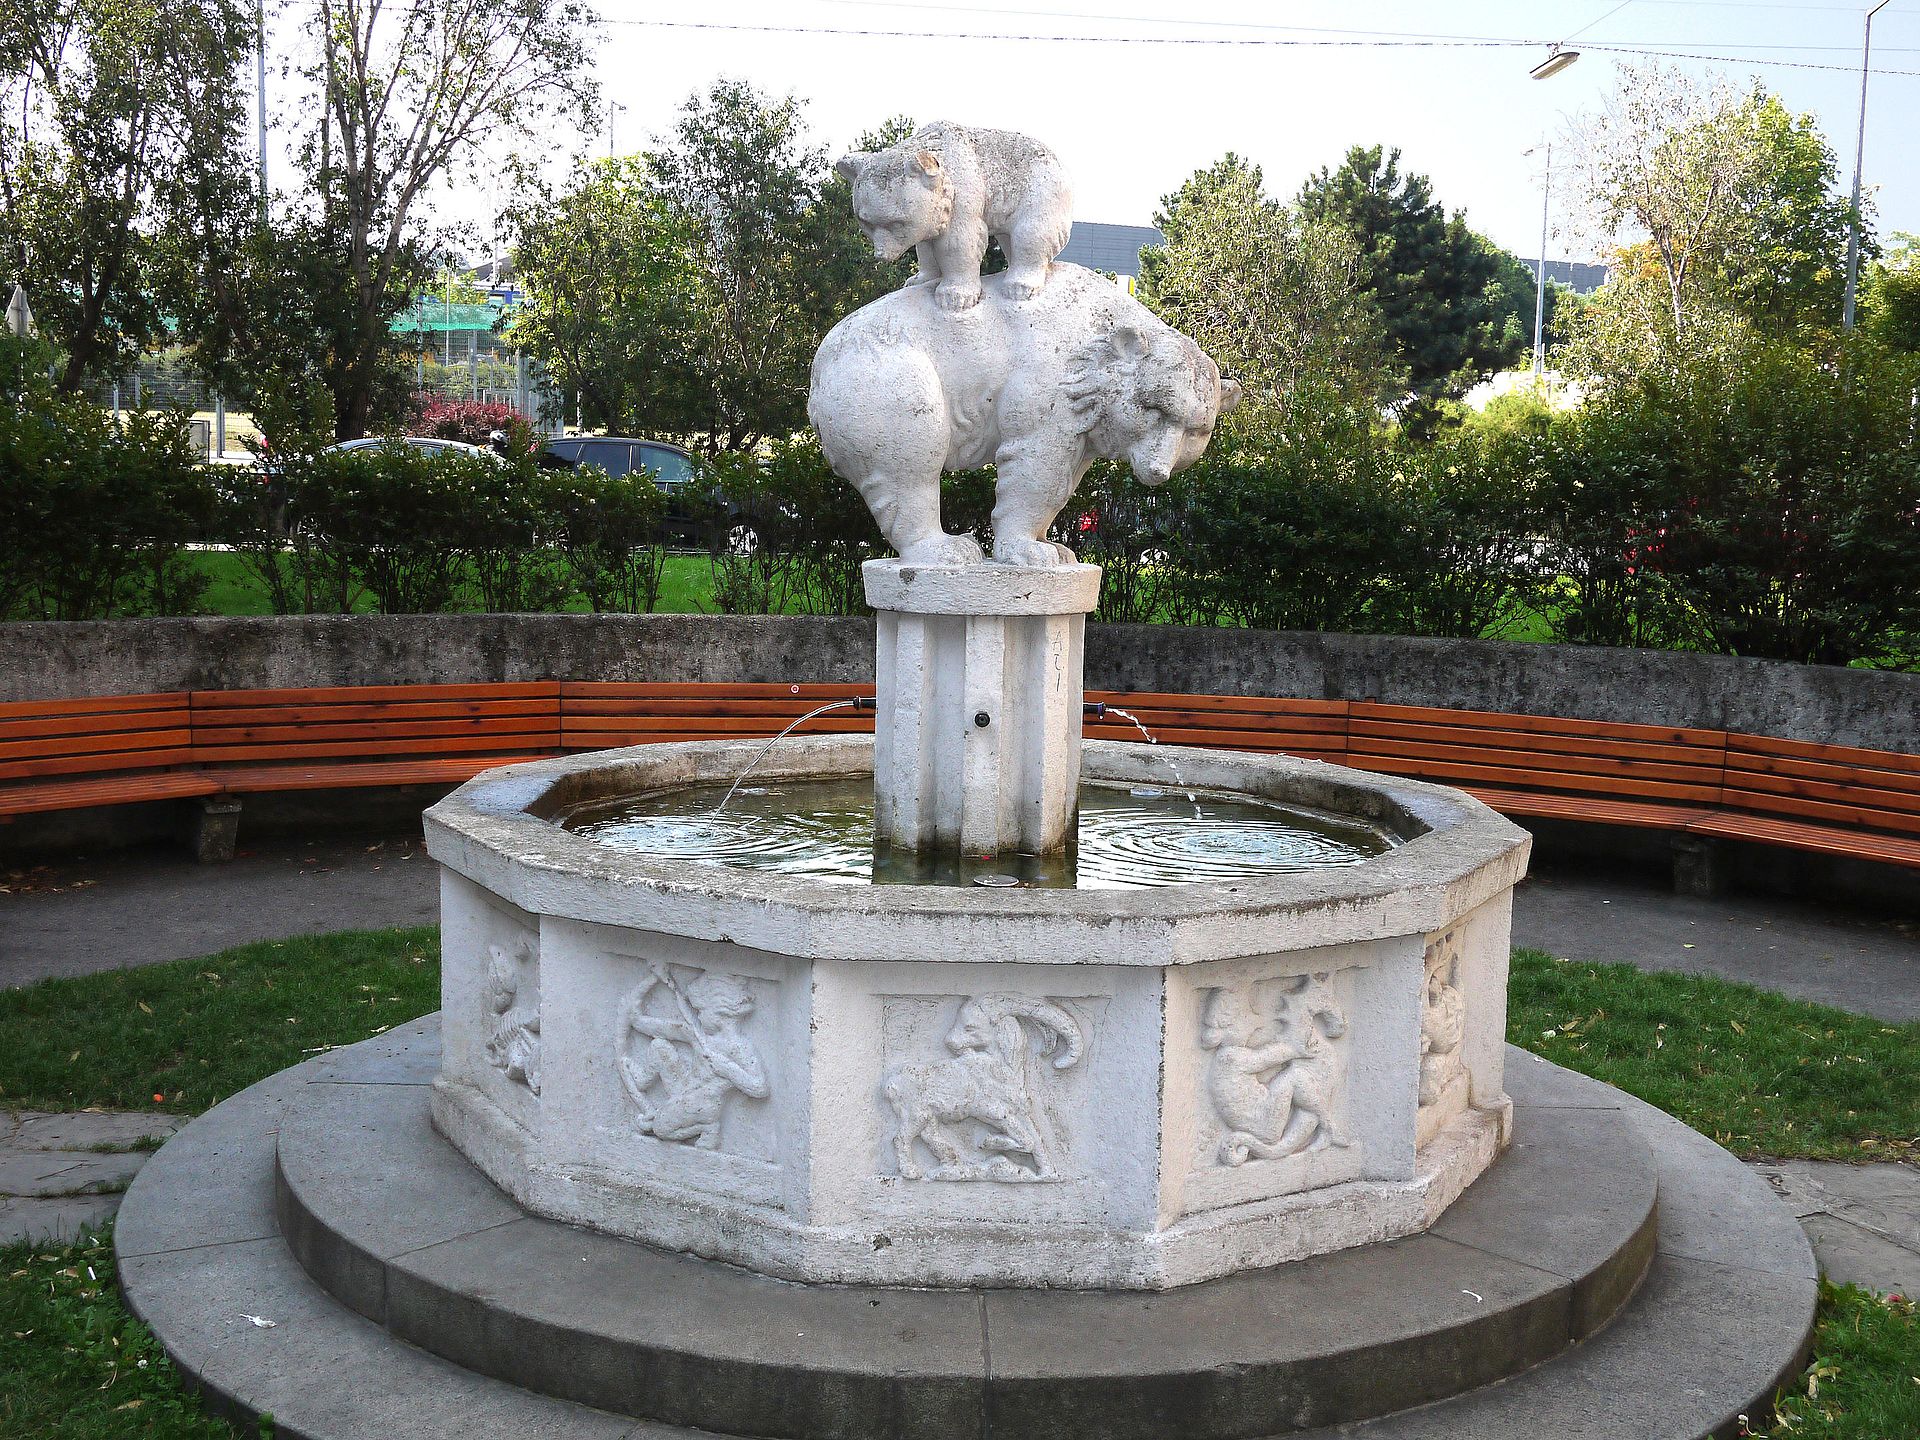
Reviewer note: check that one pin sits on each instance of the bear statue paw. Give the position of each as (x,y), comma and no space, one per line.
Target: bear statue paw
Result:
(957,295)
(944,550)
(1043,554)
(1021,289)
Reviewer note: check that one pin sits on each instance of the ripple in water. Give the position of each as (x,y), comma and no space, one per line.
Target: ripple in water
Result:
(823,830)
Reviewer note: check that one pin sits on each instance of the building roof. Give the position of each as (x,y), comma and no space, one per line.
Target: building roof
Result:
(1580,278)
(1114,248)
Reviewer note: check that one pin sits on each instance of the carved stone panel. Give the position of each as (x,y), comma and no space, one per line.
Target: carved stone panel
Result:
(986,1108)
(1443,1030)
(1276,1069)
(511,995)
(683,1056)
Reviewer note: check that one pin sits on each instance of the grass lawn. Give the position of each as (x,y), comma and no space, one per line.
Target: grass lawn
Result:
(1764,1075)
(686,587)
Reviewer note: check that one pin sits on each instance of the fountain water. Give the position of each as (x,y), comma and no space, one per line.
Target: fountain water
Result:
(1173,766)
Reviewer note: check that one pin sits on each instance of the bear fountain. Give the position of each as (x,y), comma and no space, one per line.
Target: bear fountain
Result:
(1041,1086)
(967,1079)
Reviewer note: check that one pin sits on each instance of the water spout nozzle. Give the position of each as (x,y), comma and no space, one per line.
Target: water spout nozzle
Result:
(1096,708)
(865,702)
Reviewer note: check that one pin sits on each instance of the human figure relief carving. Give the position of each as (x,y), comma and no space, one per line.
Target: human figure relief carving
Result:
(1443,1020)
(978,1111)
(513,1034)
(694,1058)
(945,189)
(1274,1072)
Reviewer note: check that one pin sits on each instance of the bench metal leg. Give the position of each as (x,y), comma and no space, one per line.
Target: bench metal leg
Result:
(1699,866)
(216,828)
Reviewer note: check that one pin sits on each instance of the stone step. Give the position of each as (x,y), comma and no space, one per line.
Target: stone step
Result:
(395,1223)
(1723,1314)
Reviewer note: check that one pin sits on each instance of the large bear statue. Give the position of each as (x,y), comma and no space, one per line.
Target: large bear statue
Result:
(1039,387)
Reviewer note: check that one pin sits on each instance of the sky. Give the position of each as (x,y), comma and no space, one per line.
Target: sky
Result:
(1289,84)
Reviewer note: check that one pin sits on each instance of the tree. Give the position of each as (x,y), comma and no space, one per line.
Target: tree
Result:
(1719,205)
(119,143)
(774,260)
(405,96)
(1890,296)
(608,273)
(1449,319)
(1271,294)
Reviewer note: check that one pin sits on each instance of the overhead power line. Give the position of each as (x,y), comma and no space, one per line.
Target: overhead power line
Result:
(1373,41)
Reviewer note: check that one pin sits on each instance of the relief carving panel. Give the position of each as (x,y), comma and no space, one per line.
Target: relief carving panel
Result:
(983,1111)
(1443,1030)
(683,1055)
(1277,1068)
(512,998)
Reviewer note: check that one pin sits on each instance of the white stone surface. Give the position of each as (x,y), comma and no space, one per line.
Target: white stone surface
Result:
(912,1085)
(946,189)
(977,730)
(1039,387)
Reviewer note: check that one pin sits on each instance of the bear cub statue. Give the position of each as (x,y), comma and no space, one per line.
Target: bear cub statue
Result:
(945,189)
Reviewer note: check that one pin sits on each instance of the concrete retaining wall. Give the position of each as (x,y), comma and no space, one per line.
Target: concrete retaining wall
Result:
(1849,707)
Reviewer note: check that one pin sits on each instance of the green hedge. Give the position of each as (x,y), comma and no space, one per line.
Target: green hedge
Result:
(1764,502)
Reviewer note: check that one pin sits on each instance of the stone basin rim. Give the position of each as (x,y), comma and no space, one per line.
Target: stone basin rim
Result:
(1456,852)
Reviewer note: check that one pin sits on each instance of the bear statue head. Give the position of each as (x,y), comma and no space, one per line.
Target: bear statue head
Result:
(901,196)
(1150,396)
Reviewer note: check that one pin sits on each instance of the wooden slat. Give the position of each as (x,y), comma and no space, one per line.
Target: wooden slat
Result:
(267,778)
(124,722)
(81,745)
(1742,790)
(378,710)
(1809,750)
(638,689)
(1590,808)
(1832,812)
(1762,772)
(719,724)
(1822,839)
(90,705)
(533,743)
(1511,778)
(1540,763)
(296,737)
(1540,724)
(1388,735)
(576,711)
(87,764)
(103,790)
(1252,704)
(365,694)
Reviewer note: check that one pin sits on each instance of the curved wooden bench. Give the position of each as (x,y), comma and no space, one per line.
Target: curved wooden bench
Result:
(1701,784)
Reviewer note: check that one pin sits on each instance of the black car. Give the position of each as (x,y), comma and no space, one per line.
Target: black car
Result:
(669,467)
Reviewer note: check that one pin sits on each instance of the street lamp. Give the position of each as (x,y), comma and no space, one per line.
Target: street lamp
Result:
(1859,155)
(1558,60)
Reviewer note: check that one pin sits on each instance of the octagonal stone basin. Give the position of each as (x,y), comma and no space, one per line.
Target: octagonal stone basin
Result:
(952,1086)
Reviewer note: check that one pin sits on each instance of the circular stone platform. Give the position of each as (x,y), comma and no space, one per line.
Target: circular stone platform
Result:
(1543,1251)
(394,1223)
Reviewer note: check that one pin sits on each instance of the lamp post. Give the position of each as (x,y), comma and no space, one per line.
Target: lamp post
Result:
(1556,61)
(1859,155)
(1540,265)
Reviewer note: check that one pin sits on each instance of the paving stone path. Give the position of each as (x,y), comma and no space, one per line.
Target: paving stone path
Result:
(61,1172)
(1863,1220)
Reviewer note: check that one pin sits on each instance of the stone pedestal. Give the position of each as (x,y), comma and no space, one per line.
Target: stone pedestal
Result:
(977,737)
